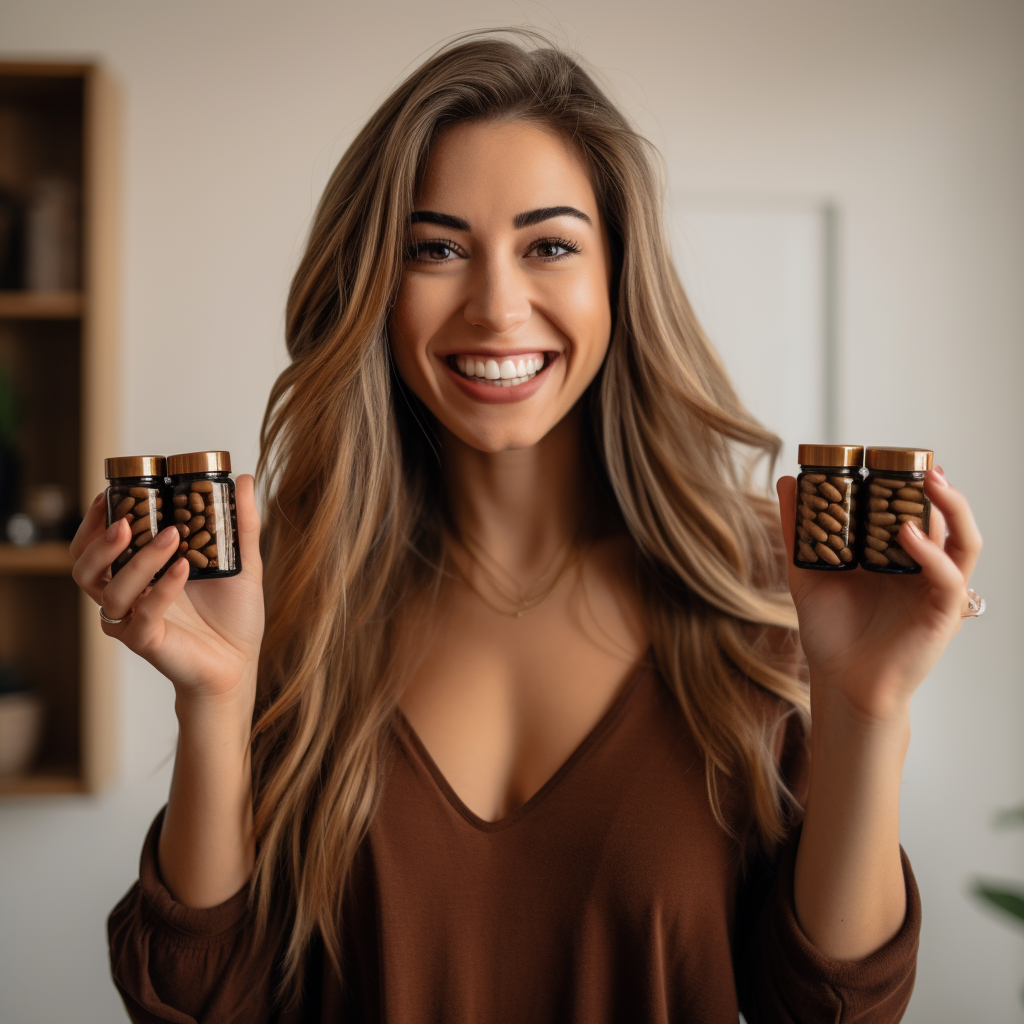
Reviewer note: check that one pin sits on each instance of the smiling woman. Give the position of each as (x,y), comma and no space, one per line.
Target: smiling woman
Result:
(528,721)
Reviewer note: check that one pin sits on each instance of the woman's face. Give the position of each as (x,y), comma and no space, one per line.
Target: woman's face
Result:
(503,314)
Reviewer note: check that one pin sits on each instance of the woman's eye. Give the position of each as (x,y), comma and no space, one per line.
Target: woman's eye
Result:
(431,252)
(554,249)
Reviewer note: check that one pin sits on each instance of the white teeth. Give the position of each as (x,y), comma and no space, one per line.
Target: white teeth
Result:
(491,371)
(478,369)
(506,374)
(521,368)
(508,370)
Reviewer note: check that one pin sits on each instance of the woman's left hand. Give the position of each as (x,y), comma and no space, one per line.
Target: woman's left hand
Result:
(872,637)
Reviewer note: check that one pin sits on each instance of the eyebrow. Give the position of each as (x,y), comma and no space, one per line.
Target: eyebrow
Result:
(521,220)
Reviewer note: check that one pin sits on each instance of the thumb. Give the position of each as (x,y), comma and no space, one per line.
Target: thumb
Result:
(249,524)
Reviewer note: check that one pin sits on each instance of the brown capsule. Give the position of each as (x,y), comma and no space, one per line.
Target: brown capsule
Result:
(836,543)
(807,487)
(196,503)
(211,524)
(893,485)
(182,515)
(198,559)
(202,486)
(802,534)
(159,501)
(210,551)
(123,507)
(910,494)
(840,483)
(123,557)
(142,539)
(816,531)
(879,492)
(912,507)
(881,518)
(181,500)
(838,513)
(805,512)
(828,491)
(830,524)
(814,478)
(851,538)
(878,504)
(805,553)
(196,523)
(815,502)
(139,492)
(199,540)
(877,543)
(875,557)
(846,555)
(900,557)
(141,524)
(824,552)
(183,530)
(911,519)
(182,547)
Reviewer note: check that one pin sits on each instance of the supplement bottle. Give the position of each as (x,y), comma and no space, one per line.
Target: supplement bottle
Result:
(136,492)
(895,495)
(203,503)
(826,506)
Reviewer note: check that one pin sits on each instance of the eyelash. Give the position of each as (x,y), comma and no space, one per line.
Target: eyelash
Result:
(413,251)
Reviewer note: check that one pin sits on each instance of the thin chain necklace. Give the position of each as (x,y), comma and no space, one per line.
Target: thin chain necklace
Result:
(524,600)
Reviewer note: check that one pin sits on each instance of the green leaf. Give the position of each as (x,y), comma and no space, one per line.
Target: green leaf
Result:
(1012,818)
(1010,901)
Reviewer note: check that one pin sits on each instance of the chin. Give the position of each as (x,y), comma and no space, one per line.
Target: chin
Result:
(491,441)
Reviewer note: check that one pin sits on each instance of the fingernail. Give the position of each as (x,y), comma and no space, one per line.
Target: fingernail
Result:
(113,529)
(165,534)
(915,529)
(940,477)
(98,498)
(939,469)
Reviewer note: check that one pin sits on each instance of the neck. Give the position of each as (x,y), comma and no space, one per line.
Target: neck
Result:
(522,506)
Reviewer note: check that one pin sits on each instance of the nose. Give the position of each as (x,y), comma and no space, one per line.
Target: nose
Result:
(498,298)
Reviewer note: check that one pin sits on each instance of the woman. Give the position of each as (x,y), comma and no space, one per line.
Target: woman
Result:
(524,734)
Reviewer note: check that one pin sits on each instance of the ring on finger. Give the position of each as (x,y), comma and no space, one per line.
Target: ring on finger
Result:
(114,622)
(975,605)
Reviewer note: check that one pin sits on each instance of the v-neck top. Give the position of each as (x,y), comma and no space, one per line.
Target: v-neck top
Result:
(611,895)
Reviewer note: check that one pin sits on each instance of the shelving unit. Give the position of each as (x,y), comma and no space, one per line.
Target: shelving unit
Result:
(60,348)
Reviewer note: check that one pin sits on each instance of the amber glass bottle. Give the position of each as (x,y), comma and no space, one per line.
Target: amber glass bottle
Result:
(826,506)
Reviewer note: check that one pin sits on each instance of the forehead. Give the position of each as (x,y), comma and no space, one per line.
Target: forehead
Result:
(503,166)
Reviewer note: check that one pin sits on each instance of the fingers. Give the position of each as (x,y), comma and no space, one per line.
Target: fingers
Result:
(91,527)
(964,542)
(786,489)
(150,609)
(948,585)
(248,523)
(118,596)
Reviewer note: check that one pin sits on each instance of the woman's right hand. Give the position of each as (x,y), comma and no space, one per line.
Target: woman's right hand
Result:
(204,636)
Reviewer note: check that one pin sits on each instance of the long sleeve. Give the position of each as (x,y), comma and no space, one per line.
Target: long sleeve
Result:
(782,978)
(176,963)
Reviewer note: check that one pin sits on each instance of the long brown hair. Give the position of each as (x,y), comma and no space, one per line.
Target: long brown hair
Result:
(353,507)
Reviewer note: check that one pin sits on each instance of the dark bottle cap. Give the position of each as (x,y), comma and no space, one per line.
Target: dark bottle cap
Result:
(830,455)
(134,465)
(899,460)
(199,462)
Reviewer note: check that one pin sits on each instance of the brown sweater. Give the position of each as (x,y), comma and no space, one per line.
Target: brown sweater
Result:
(610,896)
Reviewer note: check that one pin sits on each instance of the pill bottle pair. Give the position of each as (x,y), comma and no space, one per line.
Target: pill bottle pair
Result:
(852,503)
(191,491)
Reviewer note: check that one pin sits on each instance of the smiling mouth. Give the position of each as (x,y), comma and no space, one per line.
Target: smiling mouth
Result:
(502,373)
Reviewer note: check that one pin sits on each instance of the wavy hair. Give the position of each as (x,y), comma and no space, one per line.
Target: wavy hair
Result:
(352,528)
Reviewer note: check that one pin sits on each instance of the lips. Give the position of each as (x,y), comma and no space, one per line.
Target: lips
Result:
(503,378)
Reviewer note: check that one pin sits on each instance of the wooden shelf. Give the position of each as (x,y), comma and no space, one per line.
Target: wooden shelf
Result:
(45,558)
(42,783)
(41,305)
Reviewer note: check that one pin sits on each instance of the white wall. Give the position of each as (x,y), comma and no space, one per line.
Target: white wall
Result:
(906,115)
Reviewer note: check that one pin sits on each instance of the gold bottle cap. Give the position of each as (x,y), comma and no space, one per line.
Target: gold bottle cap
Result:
(134,465)
(199,462)
(899,460)
(830,454)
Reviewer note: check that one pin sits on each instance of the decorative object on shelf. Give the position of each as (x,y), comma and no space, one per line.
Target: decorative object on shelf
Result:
(12,241)
(49,506)
(51,237)
(21,719)
(20,529)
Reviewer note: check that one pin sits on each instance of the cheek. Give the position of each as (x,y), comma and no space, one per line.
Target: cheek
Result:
(409,329)
(583,311)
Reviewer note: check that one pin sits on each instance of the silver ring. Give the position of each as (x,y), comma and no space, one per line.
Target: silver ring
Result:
(113,622)
(975,605)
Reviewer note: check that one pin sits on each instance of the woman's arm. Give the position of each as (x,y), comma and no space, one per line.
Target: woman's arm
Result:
(870,640)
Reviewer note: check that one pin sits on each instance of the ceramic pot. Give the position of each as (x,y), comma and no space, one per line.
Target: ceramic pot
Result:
(21,719)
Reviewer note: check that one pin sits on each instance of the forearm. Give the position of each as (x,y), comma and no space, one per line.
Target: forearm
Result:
(207,849)
(849,890)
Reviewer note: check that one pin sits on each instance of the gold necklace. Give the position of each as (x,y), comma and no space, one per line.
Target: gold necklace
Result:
(524,601)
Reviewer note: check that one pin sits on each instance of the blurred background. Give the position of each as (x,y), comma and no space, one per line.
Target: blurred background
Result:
(845,197)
